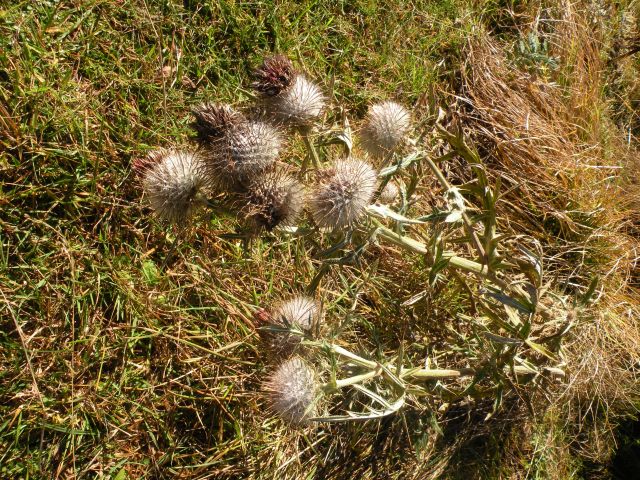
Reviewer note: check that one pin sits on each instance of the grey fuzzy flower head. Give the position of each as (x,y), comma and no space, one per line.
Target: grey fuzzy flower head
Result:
(171,180)
(300,311)
(389,194)
(287,94)
(386,126)
(236,149)
(343,193)
(273,200)
(293,390)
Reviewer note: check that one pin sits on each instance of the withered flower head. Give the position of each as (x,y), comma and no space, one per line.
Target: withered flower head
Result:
(273,200)
(235,149)
(172,180)
(213,121)
(293,390)
(274,75)
(288,95)
(386,126)
(342,194)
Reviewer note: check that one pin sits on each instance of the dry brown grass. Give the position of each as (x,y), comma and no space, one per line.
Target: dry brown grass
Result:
(568,182)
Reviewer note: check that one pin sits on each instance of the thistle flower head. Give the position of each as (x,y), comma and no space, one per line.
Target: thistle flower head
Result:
(289,96)
(300,311)
(236,149)
(275,199)
(274,75)
(389,194)
(343,193)
(171,180)
(213,121)
(386,126)
(292,391)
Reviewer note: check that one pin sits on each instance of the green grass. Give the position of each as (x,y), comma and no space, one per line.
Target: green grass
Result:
(114,365)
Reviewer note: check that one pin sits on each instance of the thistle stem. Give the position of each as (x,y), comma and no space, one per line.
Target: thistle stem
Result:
(454,260)
(311,150)
(375,370)
(345,382)
(353,357)
(436,373)
(465,218)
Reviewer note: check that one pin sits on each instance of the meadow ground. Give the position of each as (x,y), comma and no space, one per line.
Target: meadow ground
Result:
(124,357)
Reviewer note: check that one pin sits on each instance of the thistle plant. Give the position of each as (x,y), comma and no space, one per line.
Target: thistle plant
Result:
(296,392)
(351,206)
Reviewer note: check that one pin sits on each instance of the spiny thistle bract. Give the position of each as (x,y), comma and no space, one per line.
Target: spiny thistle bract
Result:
(386,126)
(288,95)
(236,149)
(292,391)
(342,194)
(275,199)
(172,180)
(389,194)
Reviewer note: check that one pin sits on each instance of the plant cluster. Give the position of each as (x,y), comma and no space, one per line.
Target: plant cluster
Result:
(349,200)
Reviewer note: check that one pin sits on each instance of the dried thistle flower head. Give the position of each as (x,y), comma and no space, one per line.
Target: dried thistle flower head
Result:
(294,319)
(213,121)
(300,311)
(386,126)
(273,200)
(342,194)
(292,391)
(288,95)
(274,75)
(389,194)
(236,149)
(172,180)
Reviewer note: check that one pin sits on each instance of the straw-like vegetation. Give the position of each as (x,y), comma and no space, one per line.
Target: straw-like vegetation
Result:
(195,282)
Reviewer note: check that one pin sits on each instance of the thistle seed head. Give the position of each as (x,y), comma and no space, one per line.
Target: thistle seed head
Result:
(300,104)
(213,121)
(288,95)
(254,147)
(246,151)
(292,391)
(275,199)
(171,180)
(300,311)
(294,319)
(343,193)
(389,194)
(235,148)
(273,76)
(386,126)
